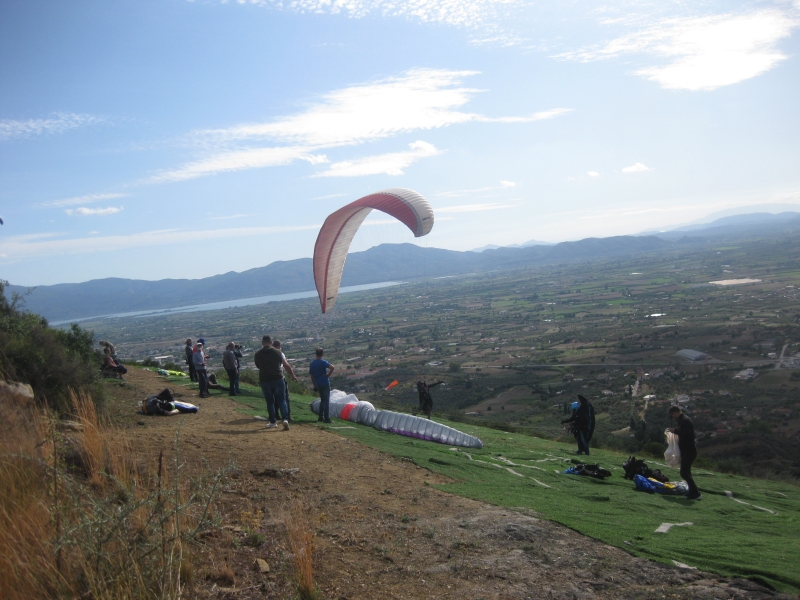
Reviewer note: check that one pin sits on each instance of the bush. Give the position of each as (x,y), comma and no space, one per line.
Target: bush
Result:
(52,361)
(454,367)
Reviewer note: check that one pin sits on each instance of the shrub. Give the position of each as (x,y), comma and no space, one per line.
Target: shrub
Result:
(51,361)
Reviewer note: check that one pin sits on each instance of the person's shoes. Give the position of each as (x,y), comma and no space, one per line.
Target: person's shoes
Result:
(271,425)
(327,421)
(285,425)
(579,452)
(319,420)
(696,496)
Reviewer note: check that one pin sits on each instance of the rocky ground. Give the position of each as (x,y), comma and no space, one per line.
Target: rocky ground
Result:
(382,530)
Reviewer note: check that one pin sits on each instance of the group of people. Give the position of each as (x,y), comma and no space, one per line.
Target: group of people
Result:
(582,426)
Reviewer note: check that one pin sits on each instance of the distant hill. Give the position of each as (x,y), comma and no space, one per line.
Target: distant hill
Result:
(388,262)
(749,224)
(522,245)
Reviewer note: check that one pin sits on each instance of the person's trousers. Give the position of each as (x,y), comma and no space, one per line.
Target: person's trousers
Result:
(288,403)
(686,471)
(581,437)
(275,395)
(233,378)
(192,372)
(324,402)
(202,379)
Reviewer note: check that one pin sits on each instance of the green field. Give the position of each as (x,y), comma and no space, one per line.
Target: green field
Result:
(726,537)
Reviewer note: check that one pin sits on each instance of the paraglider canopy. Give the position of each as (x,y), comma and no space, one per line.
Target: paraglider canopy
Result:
(333,241)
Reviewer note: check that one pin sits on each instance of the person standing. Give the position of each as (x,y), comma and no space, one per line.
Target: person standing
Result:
(268,361)
(688,448)
(237,352)
(189,351)
(288,416)
(582,421)
(199,359)
(425,398)
(229,363)
(321,371)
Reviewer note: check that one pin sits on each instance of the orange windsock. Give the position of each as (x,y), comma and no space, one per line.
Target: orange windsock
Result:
(391,385)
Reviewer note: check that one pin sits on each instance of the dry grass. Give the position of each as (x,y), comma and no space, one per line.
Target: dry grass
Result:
(301,542)
(94,526)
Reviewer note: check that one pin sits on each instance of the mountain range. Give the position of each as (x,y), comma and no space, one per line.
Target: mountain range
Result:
(387,262)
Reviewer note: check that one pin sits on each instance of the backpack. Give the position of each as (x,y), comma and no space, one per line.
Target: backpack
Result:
(634,467)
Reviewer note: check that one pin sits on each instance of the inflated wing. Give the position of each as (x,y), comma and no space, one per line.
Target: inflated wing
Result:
(333,241)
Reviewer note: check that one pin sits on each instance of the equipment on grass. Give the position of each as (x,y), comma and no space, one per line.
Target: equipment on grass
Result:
(348,407)
(594,470)
(634,466)
(333,241)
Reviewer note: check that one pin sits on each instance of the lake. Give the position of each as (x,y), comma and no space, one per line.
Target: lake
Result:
(160,312)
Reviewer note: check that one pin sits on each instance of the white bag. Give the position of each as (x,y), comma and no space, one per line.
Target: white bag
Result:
(673,454)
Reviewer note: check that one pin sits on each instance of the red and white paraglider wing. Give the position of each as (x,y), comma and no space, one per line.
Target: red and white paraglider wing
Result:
(333,241)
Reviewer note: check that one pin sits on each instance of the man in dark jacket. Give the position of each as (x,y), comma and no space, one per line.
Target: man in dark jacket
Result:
(685,433)
(582,421)
(269,360)
(425,399)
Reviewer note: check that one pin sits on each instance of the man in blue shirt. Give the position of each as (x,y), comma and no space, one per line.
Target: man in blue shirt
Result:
(320,371)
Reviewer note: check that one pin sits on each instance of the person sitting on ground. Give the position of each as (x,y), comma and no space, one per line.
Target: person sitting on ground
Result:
(277,344)
(189,351)
(425,399)
(109,346)
(199,359)
(268,360)
(582,424)
(110,365)
(688,448)
(321,371)
(229,363)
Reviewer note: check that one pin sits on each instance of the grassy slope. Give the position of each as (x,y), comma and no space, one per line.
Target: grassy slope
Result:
(725,537)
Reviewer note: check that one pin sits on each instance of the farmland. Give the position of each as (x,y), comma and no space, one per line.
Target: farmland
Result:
(515,347)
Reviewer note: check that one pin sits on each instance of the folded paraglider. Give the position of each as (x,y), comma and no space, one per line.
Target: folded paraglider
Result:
(348,407)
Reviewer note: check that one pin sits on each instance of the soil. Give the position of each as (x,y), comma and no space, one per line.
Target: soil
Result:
(381,530)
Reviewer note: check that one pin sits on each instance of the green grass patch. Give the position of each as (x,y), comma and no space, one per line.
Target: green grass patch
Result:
(726,537)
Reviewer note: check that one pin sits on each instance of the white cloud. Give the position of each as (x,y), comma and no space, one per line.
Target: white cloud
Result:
(93,212)
(420,99)
(703,53)
(592,173)
(468,14)
(507,184)
(61,122)
(472,208)
(382,164)
(253,158)
(88,199)
(22,247)
(637,168)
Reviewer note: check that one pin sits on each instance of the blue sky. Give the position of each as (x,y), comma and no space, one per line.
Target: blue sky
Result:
(154,139)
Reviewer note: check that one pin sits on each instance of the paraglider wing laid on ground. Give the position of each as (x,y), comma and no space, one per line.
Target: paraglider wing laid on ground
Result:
(348,407)
(333,241)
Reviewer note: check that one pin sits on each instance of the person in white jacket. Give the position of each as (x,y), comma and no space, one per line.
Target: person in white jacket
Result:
(200,359)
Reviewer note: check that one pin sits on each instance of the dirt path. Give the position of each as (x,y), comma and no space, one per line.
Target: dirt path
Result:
(381,530)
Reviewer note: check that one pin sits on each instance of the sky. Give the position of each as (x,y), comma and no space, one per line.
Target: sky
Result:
(153,139)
